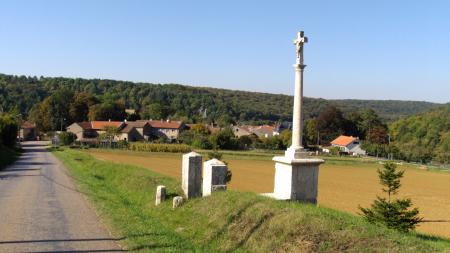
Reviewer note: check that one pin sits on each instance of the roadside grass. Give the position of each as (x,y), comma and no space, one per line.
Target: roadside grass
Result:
(342,185)
(226,221)
(8,156)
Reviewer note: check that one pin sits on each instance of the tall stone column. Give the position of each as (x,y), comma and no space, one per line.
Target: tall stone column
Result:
(296,174)
(296,149)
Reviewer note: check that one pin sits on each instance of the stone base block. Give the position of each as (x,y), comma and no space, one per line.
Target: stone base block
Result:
(296,179)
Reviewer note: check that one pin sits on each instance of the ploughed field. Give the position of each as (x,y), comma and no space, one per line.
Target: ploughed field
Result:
(344,183)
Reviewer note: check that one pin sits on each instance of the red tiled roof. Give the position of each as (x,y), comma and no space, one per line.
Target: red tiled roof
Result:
(99,125)
(165,124)
(343,140)
(138,124)
(265,128)
(86,125)
(127,129)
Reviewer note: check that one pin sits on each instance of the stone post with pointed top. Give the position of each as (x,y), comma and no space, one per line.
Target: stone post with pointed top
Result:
(214,176)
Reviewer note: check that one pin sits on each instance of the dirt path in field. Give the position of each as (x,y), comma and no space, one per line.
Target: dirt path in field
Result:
(342,187)
(42,211)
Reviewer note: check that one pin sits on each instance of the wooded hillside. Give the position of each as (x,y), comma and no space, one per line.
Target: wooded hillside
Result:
(20,93)
(425,136)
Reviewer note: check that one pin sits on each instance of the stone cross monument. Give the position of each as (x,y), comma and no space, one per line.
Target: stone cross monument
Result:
(296,174)
(296,150)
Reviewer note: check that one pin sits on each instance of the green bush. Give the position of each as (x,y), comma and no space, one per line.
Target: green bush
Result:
(159,147)
(8,130)
(215,154)
(66,138)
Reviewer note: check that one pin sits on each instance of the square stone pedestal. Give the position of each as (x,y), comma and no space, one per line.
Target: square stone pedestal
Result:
(214,175)
(296,179)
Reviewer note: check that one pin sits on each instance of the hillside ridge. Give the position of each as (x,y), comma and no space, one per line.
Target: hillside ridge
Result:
(187,101)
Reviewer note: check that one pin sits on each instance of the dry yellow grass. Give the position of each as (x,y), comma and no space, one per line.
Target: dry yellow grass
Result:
(342,187)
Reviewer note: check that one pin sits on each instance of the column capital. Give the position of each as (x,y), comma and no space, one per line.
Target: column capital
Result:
(299,66)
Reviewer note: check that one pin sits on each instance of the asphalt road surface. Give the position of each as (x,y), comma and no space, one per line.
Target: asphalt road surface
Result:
(42,211)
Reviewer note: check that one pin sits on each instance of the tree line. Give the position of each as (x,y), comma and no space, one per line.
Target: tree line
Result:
(191,104)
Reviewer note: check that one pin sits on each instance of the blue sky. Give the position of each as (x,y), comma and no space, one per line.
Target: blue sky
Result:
(356,49)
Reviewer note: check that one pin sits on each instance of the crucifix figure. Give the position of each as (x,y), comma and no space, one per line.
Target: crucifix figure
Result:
(298,42)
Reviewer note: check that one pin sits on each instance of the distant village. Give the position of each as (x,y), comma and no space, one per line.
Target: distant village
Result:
(89,132)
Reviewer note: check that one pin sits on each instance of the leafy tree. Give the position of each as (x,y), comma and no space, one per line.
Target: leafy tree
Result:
(79,108)
(245,142)
(330,124)
(110,134)
(353,124)
(8,130)
(154,111)
(108,111)
(311,133)
(393,213)
(378,135)
(133,117)
(286,137)
(200,129)
(66,138)
(58,109)
(273,143)
(368,121)
(224,139)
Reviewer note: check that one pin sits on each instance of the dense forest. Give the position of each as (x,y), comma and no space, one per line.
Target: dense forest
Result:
(192,104)
(424,137)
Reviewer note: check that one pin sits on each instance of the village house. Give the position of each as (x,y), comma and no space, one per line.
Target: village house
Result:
(129,130)
(264,131)
(83,130)
(169,129)
(143,127)
(28,131)
(240,131)
(348,144)
(88,131)
(130,133)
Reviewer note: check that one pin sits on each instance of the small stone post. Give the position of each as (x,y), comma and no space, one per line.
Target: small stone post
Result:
(160,194)
(214,176)
(192,175)
(177,201)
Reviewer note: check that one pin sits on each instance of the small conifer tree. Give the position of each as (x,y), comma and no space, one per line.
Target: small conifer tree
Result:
(393,213)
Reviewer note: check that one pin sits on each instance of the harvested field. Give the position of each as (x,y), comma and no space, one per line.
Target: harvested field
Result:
(343,184)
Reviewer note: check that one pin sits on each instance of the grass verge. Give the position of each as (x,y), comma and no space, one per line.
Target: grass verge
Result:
(227,221)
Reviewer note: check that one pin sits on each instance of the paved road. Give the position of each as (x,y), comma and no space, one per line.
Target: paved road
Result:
(41,210)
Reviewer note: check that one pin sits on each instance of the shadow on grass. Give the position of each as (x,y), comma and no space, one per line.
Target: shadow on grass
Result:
(430,238)
(117,239)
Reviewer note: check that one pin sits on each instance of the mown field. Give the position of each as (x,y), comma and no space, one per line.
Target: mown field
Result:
(228,221)
(344,183)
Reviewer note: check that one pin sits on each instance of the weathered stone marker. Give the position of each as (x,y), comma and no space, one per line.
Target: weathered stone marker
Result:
(160,194)
(192,175)
(214,176)
(296,174)
(296,179)
(177,201)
